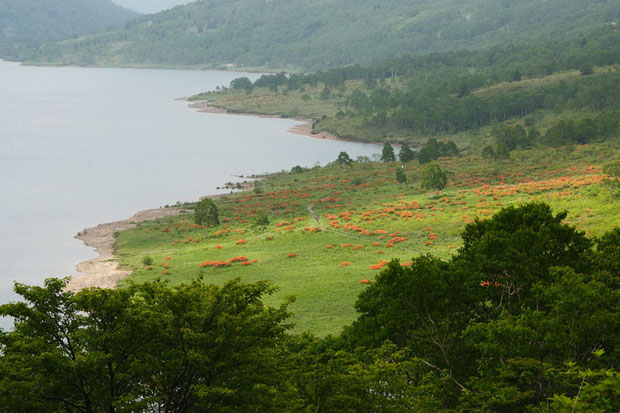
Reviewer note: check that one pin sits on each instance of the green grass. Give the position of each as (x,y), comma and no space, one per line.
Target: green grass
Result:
(364,196)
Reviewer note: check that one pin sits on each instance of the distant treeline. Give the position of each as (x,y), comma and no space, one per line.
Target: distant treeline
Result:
(441,91)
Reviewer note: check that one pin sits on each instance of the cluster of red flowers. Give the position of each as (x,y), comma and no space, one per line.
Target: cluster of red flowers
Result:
(380,265)
(292,255)
(396,240)
(242,242)
(219,264)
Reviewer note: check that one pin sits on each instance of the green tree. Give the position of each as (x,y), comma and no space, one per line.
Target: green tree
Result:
(501,151)
(145,347)
(586,69)
(488,152)
(401,178)
(206,213)
(344,159)
(406,154)
(325,93)
(387,153)
(242,83)
(433,177)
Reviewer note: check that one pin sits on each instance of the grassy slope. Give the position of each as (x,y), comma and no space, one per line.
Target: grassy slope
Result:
(367,198)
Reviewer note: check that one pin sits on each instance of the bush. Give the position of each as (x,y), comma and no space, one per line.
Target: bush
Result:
(206,213)
(146,260)
(433,177)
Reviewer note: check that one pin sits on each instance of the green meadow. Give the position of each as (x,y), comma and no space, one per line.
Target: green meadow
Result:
(365,219)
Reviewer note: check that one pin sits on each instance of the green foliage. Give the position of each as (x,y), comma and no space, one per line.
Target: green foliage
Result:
(206,347)
(147,260)
(488,152)
(586,69)
(206,213)
(297,169)
(242,83)
(406,154)
(344,159)
(387,153)
(401,178)
(262,220)
(501,151)
(433,150)
(502,318)
(433,177)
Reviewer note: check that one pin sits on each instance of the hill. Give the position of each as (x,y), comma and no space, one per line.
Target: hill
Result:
(318,34)
(29,23)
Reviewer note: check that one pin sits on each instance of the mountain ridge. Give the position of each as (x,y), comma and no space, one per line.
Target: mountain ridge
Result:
(319,34)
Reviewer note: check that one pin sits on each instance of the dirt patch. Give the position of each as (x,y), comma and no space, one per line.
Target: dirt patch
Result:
(103,271)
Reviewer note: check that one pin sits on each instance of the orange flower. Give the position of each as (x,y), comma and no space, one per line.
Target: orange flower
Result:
(292,255)
(242,241)
(345,264)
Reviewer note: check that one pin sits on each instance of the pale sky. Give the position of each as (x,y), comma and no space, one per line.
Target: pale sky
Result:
(150,6)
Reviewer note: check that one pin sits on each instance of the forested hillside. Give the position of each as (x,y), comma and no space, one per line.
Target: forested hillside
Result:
(28,23)
(316,34)
(413,98)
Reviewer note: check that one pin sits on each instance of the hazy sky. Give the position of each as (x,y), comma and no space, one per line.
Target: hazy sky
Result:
(150,6)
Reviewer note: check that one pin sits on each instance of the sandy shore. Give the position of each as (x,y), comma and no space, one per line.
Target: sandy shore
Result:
(103,271)
(305,128)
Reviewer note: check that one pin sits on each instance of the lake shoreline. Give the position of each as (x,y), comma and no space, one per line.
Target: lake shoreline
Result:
(103,271)
(304,129)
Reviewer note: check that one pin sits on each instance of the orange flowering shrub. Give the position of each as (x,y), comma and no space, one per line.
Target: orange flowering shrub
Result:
(242,242)
(292,255)
(380,265)
(365,282)
(345,264)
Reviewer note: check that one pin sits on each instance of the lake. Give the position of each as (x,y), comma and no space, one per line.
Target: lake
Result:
(82,146)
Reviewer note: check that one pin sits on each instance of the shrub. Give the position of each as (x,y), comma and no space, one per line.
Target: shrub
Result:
(206,213)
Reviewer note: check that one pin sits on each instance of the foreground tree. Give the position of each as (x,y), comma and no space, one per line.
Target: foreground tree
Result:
(206,213)
(141,348)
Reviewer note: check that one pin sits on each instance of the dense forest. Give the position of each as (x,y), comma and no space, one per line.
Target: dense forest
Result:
(29,23)
(523,318)
(310,35)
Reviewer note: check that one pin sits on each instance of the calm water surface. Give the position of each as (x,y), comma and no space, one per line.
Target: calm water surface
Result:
(79,147)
